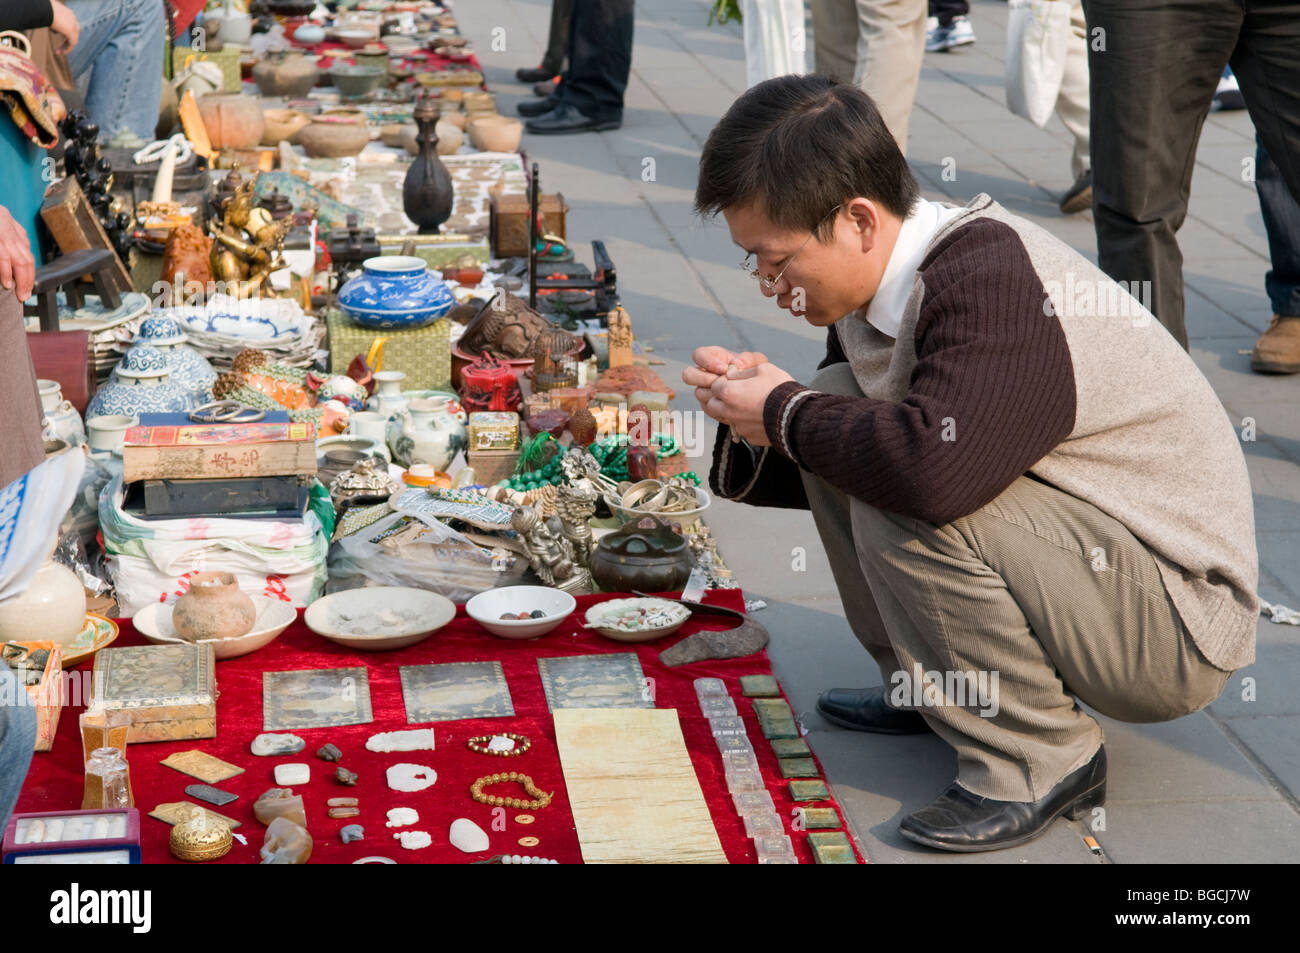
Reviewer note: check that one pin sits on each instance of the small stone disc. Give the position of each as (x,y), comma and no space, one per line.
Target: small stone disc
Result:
(524,818)
(528,842)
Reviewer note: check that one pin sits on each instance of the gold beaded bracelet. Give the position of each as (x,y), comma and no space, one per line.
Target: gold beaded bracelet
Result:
(480,744)
(540,798)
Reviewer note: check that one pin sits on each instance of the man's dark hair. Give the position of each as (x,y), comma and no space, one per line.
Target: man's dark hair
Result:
(797,146)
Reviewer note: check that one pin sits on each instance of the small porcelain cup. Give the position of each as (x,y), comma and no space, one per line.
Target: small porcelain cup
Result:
(108,432)
(51,395)
(368,423)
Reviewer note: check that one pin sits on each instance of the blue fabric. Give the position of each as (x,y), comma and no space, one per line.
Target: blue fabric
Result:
(118,62)
(17,740)
(1282,224)
(24,187)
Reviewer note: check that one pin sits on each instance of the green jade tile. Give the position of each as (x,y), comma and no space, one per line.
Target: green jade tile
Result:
(831,847)
(772,708)
(815,818)
(790,748)
(798,768)
(759,686)
(778,728)
(809,791)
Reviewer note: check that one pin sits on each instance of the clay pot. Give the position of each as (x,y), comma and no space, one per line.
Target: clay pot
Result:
(496,133)
(394,134)
(457,119)
(213,608)
(283,124)
(290,74)
(331,136)
(449,138)
(233,121)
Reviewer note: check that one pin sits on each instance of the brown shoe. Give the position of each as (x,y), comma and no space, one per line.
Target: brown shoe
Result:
(1079,198)
(1278,351)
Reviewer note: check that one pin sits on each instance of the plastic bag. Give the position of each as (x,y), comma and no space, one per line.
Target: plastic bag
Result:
(140,582)
(424,553)
(1038,38)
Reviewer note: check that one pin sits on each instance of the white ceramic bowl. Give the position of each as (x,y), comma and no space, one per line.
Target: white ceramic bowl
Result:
(379,617)
(154,622)
(108,432)
(602,611)
(487,607)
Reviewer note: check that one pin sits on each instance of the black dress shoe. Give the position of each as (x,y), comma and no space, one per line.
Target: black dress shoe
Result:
(960,821)
(865,709)
(537,75)
(566,118)
(537,107)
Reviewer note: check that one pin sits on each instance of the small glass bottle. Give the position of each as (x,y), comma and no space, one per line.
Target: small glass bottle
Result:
(107,780)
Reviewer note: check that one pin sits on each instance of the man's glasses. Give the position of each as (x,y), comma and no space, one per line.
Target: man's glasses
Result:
(770,283)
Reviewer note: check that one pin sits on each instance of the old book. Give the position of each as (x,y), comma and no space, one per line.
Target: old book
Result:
(218,451)
(279,496)
(169,691)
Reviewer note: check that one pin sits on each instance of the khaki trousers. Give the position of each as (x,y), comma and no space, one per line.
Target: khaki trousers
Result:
(1039,597)
(877,45)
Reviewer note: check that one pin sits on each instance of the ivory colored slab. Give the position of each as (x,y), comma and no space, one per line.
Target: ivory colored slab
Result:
(634,794)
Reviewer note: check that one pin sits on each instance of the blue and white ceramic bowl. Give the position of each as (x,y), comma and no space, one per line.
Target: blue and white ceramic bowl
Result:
(395,291)
(141,384)
(189,369)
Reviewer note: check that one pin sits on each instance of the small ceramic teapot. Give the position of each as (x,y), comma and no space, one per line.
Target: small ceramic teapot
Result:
(425,431)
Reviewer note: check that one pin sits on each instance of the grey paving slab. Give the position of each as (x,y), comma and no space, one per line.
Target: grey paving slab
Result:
(1274,740)
(1202,832)
(1272,678)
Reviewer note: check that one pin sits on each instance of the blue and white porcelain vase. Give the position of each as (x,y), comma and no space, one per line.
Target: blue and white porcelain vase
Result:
(425,431)
(141,384)
(189,369)
(394,292)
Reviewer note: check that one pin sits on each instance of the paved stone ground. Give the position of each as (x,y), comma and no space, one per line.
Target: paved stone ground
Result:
(1222,785)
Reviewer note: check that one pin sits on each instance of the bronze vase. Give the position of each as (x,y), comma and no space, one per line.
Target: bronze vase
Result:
(427,192)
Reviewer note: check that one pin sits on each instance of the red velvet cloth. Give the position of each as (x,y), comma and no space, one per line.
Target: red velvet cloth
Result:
(55,779)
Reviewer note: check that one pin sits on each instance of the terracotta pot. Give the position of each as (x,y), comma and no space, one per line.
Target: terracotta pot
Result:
(332,137)
(233,121)
(457,119)
(449,138)
(213,608)
(290,73)
(283,124)
(496,133)
(393,135)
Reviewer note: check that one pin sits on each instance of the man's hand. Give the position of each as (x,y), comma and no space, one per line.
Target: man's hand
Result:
(17,267)
(65,23)
(711,363)
(737,398)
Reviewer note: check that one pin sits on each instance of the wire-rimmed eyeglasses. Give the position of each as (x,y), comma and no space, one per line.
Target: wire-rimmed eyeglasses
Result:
(770,283)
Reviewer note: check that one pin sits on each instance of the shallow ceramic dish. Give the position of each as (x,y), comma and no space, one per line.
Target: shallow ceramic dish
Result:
(95,635)
(377,618)
(357,81)
(487,607)
(154,622)
(601,617)
(354,39)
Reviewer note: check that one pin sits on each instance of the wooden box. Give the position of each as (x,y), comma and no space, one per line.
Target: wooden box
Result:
(47,696)
(494,430)
(168,690)
(508,222)
(109,836)
(492,466)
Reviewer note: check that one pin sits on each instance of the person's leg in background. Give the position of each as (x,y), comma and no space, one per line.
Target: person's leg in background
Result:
(1278,351)
(891,45)
(1153,75)
(557,46)
(120,55)
(600,61)
(1073,109)
(948,26)
(835,38)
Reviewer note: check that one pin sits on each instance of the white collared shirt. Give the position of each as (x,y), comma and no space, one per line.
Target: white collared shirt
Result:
(885,312)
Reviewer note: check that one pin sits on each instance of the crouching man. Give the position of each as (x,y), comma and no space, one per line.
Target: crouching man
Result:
(1015,470)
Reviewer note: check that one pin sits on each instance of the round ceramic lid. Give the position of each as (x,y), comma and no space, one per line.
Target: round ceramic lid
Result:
(161,329)
(143,361)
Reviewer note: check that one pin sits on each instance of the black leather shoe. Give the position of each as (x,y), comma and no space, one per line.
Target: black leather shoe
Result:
(865,709)
(960,821)
(537,107)
(566,118)
(537,75)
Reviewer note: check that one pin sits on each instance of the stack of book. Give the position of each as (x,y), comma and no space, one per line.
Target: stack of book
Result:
(174,468)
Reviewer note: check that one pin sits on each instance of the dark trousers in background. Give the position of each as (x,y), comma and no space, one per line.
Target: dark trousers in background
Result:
(557,43)
(945,10)
(600,58)
(1154,70)
(1281,214)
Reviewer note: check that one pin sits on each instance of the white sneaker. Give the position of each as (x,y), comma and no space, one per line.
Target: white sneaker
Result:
(942,38)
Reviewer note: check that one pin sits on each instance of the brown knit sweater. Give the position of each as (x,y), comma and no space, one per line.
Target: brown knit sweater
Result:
(1001,368)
